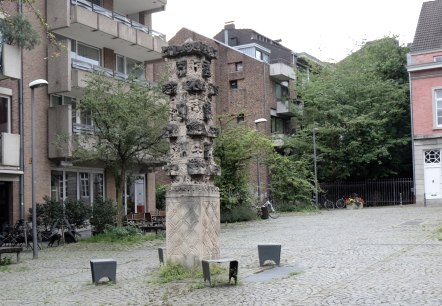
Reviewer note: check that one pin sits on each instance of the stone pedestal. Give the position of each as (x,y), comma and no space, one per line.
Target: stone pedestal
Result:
(192,224)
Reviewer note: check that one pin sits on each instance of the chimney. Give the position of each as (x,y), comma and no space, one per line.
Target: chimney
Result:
(229,25)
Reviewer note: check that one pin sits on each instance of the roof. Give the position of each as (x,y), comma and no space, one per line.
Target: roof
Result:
(238,37)
(428,34)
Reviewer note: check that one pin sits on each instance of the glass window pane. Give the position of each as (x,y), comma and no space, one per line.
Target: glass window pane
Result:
(120,64)
(56,100)
(57,188)
(4,114)
(88,54)
(71,188)
(278,92)
(134,67)
(438,94)
(265,57)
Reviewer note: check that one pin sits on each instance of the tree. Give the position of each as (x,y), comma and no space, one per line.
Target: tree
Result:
(360,107)
(291,180)
(234,150)
(16,29)
(129,120)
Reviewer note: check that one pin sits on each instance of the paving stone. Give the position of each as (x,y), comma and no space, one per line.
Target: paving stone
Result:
(373,256)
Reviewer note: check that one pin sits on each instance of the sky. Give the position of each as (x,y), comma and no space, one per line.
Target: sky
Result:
(326,29)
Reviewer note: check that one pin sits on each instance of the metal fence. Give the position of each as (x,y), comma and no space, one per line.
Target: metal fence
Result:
(375,193)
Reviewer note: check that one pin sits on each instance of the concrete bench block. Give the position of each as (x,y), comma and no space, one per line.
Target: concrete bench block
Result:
(161,254)
(103,268)
(269,252)
(233,268)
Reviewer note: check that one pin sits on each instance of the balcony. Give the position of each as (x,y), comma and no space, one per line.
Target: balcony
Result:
(67,74)
(288,108)
(10,150)
(10,64)
(94,25)
(282,71)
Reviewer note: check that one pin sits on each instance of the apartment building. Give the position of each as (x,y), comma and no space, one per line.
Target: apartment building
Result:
(256,79)
(109,36)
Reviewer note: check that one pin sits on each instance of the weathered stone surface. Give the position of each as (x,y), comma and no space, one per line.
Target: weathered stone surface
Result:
(191,48)
(192,211)
(192,203)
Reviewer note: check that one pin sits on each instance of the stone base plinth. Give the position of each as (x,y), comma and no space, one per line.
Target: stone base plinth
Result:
(192,224)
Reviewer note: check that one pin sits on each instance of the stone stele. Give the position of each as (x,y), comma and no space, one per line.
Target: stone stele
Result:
(192,201)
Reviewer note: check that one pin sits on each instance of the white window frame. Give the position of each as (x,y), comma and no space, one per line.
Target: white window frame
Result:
(125,70)
(85,185)
(62,190)
(75,55)
(436,122)
(8,115)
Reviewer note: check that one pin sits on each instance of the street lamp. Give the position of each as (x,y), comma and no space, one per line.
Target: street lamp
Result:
(34,84)
(257,121)
(314,163)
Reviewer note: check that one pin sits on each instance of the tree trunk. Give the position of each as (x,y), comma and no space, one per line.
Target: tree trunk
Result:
(120,195)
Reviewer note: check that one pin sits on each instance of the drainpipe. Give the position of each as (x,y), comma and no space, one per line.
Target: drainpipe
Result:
(21,130)
(412,141)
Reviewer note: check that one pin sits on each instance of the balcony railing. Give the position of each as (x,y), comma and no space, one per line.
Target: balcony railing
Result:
(85,66)
(117,17)
(79,128)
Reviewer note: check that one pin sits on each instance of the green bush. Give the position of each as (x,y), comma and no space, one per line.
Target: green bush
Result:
(238,213)
(121,235)
(77,212)
(160,200)
(295,206)
(103,213)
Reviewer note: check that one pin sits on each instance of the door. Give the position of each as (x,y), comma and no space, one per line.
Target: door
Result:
(432,174)
(139,195)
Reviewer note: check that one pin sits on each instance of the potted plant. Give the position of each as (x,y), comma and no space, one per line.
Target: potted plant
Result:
(354,202)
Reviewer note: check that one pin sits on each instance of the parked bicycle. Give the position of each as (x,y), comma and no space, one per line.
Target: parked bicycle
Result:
(325,203)
(340,203)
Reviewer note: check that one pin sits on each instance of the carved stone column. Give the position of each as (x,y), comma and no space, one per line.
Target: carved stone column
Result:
(192,202)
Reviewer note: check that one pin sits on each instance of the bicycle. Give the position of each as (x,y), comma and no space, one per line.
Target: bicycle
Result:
(269,208)
(326,203)
(340,203)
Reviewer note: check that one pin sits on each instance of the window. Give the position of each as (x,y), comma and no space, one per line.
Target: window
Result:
(86,53)
(262,55)
(238,66)
(76,185)
(126,66)
(282,92)
(233,84)
(277,125)
(84,185)
(438,106)
(437,59)
(5,114)
(432,157)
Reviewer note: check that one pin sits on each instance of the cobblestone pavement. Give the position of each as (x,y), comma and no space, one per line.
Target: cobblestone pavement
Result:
(343,257)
